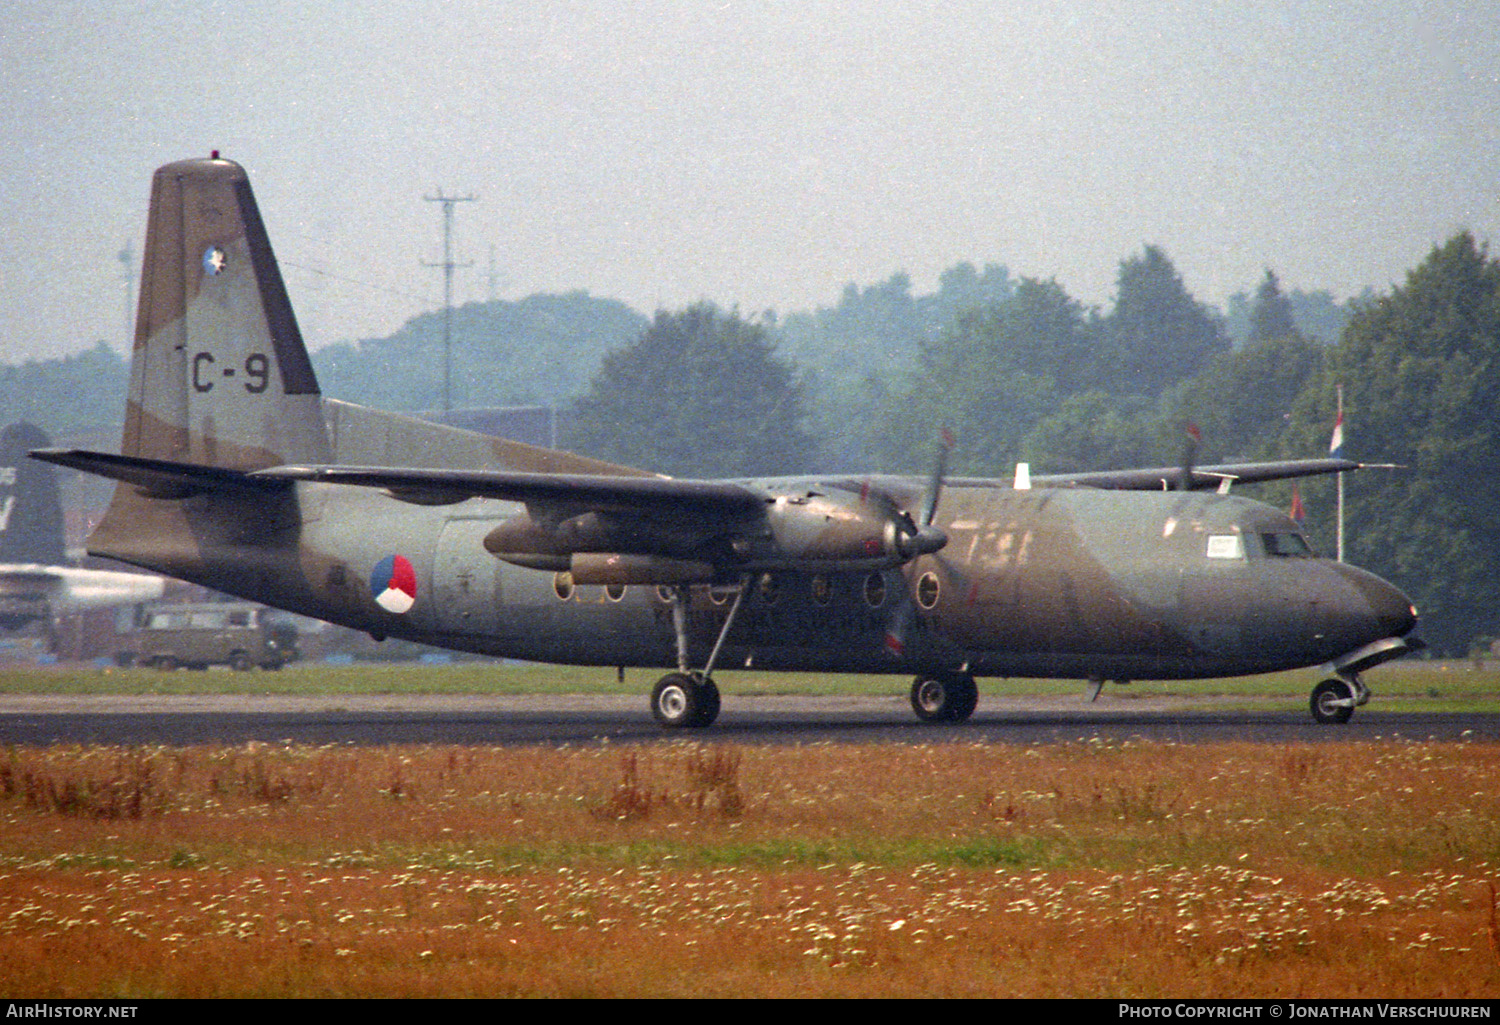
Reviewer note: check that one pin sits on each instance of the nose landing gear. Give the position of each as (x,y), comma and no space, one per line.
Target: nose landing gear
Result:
(1334,701)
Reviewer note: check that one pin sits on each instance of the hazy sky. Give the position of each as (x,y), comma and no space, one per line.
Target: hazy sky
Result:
(755,154)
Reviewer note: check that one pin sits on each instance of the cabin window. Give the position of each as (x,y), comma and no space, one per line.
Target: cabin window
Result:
(1225,546)
(562,585)
(1285,544)
(615,592)
(927,590)
(875,590)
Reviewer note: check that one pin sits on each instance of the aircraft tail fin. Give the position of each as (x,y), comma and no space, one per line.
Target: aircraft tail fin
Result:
(219,374)
(31,518)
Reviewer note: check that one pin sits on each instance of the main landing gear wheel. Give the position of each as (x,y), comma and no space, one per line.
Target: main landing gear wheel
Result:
(944,697)
(1332,702)
(682,700)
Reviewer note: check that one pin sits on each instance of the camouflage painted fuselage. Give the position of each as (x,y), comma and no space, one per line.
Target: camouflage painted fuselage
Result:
(228,444)
(1049,583)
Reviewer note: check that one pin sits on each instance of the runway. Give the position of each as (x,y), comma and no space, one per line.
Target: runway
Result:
(616,719)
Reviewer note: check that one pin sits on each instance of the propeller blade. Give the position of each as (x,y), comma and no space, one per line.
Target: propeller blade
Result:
(1189,456)
(939,473)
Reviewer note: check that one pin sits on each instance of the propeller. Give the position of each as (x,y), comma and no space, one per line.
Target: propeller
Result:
(1189,455)
(914,539)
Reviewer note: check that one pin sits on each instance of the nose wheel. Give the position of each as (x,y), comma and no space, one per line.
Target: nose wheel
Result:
(1334,701)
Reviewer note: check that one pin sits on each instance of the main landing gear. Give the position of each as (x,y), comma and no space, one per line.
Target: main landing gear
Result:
(688,697)
(944,697)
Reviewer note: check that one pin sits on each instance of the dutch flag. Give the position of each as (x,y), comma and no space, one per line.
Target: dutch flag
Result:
(1336,444)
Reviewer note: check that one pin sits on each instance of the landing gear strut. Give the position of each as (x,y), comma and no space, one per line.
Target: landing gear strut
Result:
(688,697)
(944,697)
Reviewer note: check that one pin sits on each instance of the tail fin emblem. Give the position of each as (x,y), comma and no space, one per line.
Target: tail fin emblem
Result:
(214,260)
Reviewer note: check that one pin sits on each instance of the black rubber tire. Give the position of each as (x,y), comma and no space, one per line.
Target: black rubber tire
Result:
(1321,702)
(944,697)
(676,701)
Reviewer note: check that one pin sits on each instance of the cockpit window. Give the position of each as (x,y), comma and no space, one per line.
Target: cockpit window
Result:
(1285,545)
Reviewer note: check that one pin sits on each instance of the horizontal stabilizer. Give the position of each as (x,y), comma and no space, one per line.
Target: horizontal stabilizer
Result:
(158,478)
(597,492)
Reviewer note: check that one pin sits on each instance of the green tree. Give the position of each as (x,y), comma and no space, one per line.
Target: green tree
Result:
(1419,370)
(542,349)
(81,394)
(1243,400)
(990,378)
(1093,430)
(1271,316)
(1160,334)
(701,393)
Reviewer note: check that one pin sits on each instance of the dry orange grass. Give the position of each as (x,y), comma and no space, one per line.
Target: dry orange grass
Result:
(691,869)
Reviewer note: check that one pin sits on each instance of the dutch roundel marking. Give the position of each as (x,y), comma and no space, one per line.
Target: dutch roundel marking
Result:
(394,584)
(214,260)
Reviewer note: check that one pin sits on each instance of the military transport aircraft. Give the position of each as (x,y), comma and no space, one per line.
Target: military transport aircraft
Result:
(236,473)
(36,580)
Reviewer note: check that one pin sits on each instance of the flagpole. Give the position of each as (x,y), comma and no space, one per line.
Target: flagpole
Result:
(1339,439)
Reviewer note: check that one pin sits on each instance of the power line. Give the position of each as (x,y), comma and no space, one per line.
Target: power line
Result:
(448,265)
(319,271)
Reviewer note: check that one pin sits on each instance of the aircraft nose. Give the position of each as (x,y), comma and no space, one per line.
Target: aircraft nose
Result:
(1393,611)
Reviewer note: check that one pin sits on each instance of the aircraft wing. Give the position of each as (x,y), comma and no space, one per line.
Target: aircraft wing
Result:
(595,492)
(158,478)
(1166,478)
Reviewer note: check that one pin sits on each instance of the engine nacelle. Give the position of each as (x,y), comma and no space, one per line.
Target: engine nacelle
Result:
(614,568)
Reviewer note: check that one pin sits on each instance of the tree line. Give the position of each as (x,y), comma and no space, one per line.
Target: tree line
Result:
(1016,368)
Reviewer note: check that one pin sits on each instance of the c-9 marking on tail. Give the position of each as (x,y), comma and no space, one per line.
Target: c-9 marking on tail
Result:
(236,473)
(257,372)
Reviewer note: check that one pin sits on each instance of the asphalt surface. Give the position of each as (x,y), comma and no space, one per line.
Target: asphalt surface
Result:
(592,719)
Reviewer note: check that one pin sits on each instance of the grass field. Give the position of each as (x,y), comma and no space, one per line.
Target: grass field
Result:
(687,869)
(696,869)
(1402,686)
